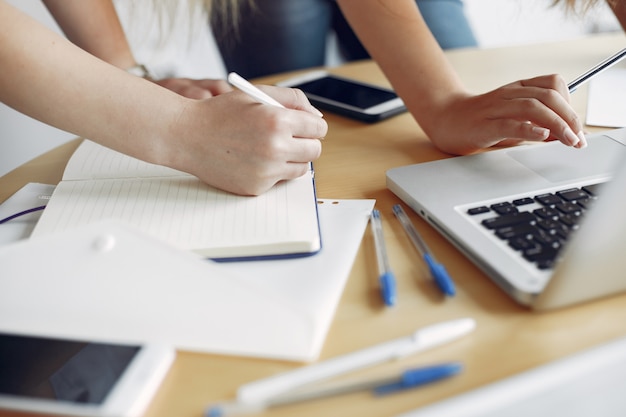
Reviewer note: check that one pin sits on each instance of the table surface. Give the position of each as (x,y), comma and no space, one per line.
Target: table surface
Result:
(508,338)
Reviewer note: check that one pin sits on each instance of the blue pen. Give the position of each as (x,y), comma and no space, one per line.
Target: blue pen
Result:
(418,377)
(386,278)
(438,271)
(408,379)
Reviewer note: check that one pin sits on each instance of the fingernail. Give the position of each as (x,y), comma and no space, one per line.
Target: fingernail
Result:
(571,137)
(583,140)
(541,132)
(319,113)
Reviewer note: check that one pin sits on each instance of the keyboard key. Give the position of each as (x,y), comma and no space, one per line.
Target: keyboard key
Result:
(568,208)
(548,240)
(541,254)
(573,194)
(504,208)
(508,220)
(509,232)
(570,220)
(592,189)
(548,199)
(546,213)
(543,258)
(478,210)
(585,204)
(523,201)
(523,244)
(550,225)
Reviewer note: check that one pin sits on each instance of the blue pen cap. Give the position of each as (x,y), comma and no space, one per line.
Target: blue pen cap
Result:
(440,275)
(214,412)
(420,376)
(388,288)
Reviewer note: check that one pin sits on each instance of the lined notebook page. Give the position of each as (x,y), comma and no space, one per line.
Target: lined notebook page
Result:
(182,210)
(91,161)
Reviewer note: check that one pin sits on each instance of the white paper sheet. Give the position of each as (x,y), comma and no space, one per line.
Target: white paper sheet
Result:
(30,196)
(108,282)
(606,103)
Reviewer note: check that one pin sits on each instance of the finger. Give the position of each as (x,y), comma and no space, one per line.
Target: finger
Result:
(291,98)
(544,109)
(194,92)
(306,125)
(552,91)
(304,150)
(553,82)
(216,87)
(296,170)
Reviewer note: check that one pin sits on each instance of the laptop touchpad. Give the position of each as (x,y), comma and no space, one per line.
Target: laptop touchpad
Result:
(557,162)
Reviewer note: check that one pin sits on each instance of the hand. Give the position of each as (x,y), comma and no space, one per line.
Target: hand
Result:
(536,109)
(234,143)
(196,89)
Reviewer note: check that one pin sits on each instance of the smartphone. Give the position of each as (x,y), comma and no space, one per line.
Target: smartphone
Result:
(74,378)
(348,97)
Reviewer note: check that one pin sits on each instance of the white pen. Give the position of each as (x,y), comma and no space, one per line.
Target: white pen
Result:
(244,85)
(408,379)
(426,338)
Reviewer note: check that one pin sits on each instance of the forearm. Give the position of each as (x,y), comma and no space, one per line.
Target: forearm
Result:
(399,40)
(87,97)
(94,26)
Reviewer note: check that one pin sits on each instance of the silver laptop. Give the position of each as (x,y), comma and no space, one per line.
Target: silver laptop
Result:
(546,222)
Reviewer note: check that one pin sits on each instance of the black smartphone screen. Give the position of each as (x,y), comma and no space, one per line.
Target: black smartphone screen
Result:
(343,91)
(69,371)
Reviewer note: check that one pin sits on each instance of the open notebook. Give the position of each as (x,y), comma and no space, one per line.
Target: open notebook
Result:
(99,183)
(538,219)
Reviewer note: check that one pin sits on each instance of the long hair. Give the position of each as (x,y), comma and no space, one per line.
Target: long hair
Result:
(582,6)
(227,11)
(164,15)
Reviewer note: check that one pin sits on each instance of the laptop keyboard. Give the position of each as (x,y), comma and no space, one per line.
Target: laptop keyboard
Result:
(538,226)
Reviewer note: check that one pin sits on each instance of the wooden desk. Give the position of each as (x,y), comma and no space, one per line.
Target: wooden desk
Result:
(508,339)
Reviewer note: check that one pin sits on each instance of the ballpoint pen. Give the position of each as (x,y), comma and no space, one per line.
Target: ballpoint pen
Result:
(426,338)
(244,85)
(438,271)
(411,378)
(597,69)
(386,278)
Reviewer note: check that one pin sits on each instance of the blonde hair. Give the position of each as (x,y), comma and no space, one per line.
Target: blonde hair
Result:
(582,5)
(227,10)
(166,15)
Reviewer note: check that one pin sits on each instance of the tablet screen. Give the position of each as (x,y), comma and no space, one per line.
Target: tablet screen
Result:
(69,371)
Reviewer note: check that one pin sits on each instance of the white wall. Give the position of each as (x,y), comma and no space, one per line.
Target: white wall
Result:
(496,23)
(508,22)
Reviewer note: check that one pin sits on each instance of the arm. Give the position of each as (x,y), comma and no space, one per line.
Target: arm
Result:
(95,27)
(457,122)
(50,79)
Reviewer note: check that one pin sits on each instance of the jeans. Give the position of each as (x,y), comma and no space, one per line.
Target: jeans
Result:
(284,35)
